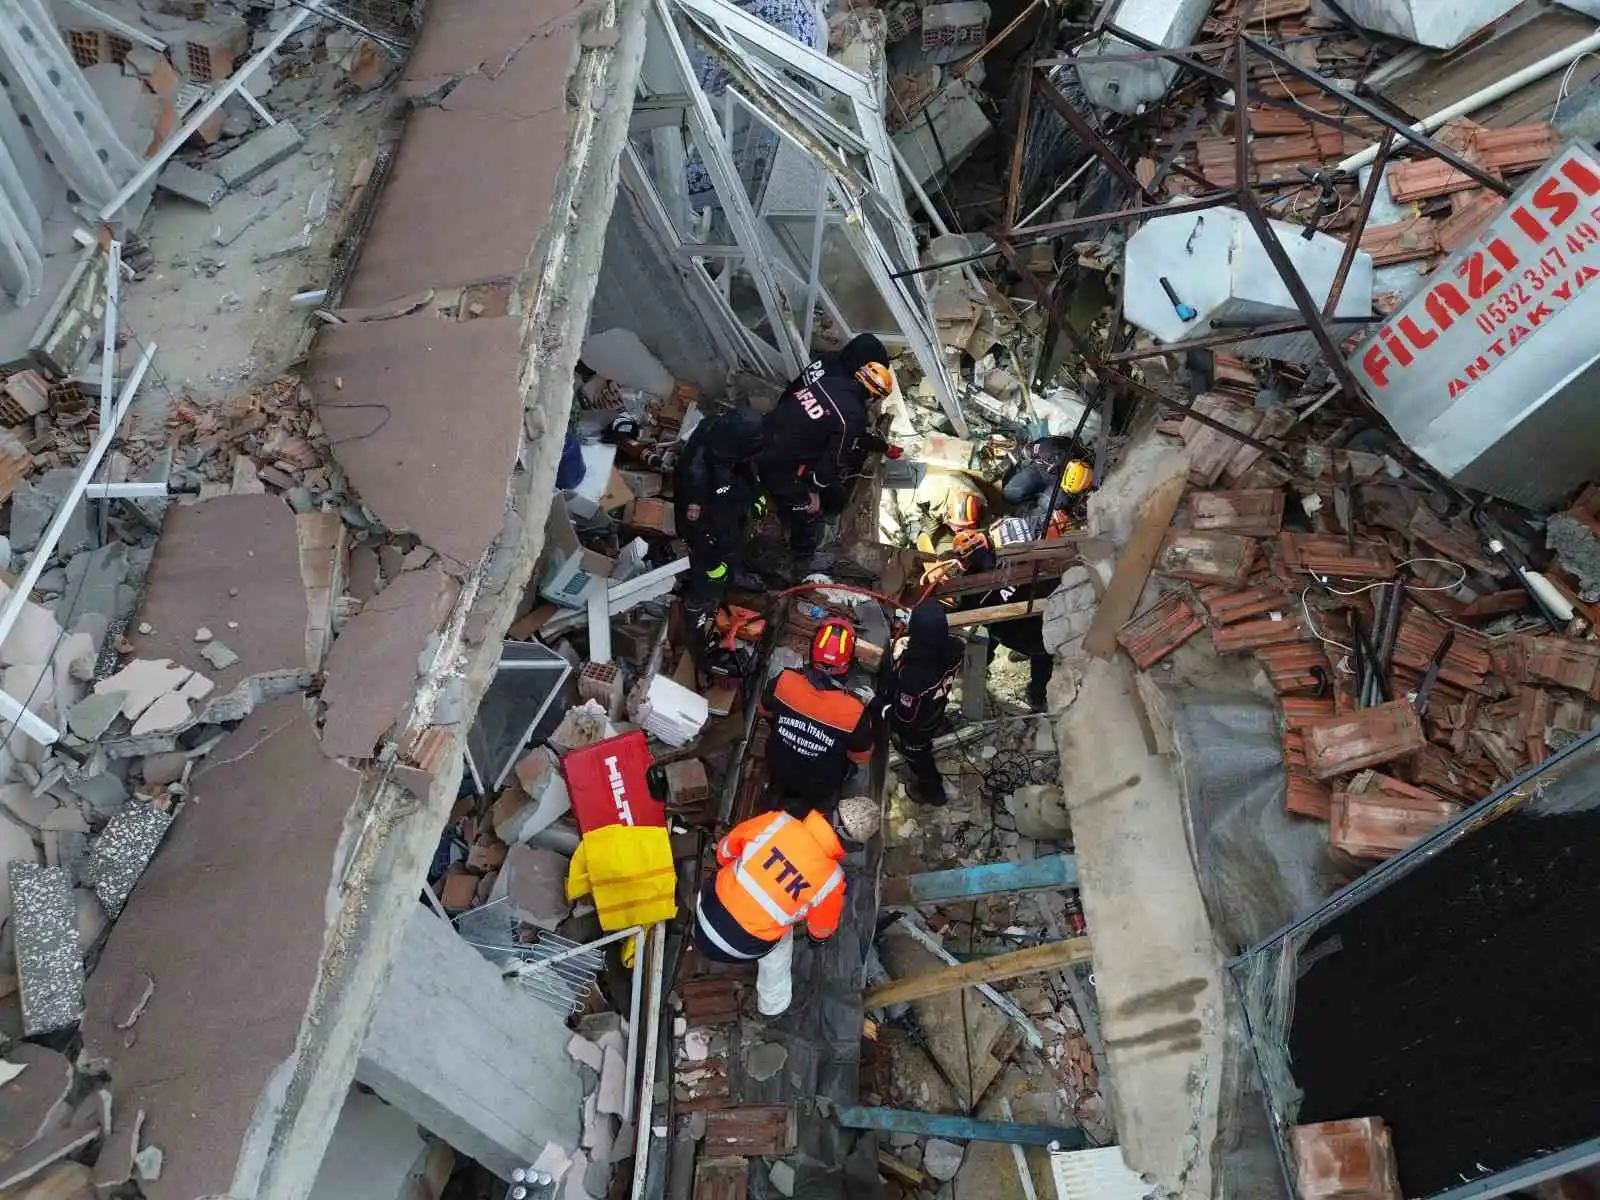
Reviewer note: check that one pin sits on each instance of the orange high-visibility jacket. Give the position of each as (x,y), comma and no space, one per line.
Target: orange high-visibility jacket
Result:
(778,871)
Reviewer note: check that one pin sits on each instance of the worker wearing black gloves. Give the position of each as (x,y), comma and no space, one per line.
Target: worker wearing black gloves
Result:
(913,696)
(1050,462)
(714,490)
(812,435)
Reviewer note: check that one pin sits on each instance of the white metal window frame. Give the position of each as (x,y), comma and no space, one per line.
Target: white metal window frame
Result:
(763,88)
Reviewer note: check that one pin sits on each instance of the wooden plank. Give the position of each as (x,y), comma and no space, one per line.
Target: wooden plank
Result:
(957,1129)
(985,879)
(996,612)
(754,1130)
(1133,568)
(722,1179)
(987,970)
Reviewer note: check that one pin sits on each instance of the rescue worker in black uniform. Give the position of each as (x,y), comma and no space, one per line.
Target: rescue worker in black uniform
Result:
(715,490)
(1050,461)
(913,696)
(813,435)
(820,729)
(1024,635)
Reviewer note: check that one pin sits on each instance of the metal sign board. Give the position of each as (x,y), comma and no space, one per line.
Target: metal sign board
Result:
(1498,340)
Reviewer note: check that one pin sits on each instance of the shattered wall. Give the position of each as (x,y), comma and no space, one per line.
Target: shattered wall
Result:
(272,922)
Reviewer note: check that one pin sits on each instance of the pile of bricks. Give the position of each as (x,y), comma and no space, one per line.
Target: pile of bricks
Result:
(1469,690)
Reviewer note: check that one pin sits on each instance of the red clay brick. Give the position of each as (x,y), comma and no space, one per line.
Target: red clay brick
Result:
(1158,632)
(1365,738)
(1255,512)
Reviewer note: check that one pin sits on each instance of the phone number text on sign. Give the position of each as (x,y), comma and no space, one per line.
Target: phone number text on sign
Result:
(1531,262)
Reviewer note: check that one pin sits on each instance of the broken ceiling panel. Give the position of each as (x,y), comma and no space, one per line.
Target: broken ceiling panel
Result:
(429,230)
(373,667)
(229,922)
(425,417)
(229,566)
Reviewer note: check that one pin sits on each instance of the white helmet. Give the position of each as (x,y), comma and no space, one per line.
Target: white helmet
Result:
(859,818)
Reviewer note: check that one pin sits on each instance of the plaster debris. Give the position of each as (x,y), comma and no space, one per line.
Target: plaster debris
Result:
(113,1166)
(764,1060)
(49,965)
(38,1082)
(90,717)
(942,1159)
(219,655)
(123,850)
(142,682)
(202,634)
(259,152)
(781,1176)
(580,1049)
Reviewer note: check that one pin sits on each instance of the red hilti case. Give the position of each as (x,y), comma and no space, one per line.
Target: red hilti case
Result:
(607,783)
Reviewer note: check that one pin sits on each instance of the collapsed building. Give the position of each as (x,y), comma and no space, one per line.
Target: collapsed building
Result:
(331,575)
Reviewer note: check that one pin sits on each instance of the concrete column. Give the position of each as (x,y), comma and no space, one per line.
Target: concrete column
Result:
(469,1056)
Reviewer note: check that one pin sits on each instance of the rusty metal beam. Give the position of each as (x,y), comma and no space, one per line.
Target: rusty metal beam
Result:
(1367,109)
(1111,376)
(977,56)
(1015,186)
(1129,55)
(1081,126)
(1223,337)
(1274,248)
(1053,229)
(1352,243)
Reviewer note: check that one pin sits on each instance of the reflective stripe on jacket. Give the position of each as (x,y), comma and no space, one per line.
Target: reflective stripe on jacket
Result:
(778,871)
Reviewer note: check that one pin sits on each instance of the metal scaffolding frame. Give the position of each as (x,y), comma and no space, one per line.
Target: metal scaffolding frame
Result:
(1108,364)
(822,116)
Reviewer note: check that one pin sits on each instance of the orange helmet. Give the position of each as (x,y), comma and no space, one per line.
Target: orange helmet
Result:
(876,378)
(963,510)
(969,541)
(834,647)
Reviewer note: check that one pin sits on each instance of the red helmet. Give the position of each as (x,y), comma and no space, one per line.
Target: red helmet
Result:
(834,647)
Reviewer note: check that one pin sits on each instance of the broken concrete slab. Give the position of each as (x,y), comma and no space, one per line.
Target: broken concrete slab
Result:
(60,1181)
(31,510)
(51,1148)
(97,586)
(18,800)
(34,636)
(142,682)
(444,143)
(457,1087)
(219,655)
(33,1101)
(201,187)
(113,1166)
(229,559)
(535,881)
(76,536)
(241,880)
(439,471)
(49,964)
(174,712)
(16,845)
(371,675)
(612,1097)
(90,717)
(118,857)
(259,152)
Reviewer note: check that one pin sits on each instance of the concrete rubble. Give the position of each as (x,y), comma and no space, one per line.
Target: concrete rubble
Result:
(364,645)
